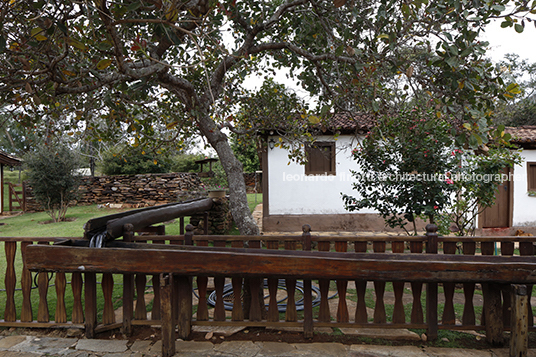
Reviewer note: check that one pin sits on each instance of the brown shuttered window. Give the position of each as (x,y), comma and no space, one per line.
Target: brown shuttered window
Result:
(531,176)
(320,158)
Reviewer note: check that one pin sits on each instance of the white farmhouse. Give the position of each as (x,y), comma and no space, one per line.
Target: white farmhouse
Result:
(294,194)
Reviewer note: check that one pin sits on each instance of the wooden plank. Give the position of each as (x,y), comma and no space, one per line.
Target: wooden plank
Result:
(76,287)
(184,321)
(168,316)
(26,314)
(507,249)
(399,315)
(379,289)
(342,286)
(324,314)
(10,313)
(60,283)
(468,316)
(90,301)
(431,287)
(107,285)
(307,290)
(273,310)
(202,282)
(449,316)
(140,312)
(526,248)
(291,313)
(492,308)
(42,287)
(519,333)
(261,263)
(417,315)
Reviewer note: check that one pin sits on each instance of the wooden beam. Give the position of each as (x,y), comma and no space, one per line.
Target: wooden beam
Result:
(292,264)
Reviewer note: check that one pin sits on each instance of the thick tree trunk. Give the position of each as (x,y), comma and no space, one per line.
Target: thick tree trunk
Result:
(235,176)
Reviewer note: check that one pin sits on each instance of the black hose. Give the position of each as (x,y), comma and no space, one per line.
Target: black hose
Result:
(281,307)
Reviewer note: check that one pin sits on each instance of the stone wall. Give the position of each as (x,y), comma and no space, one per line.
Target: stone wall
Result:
(220,220)
(250,178)
(134,190)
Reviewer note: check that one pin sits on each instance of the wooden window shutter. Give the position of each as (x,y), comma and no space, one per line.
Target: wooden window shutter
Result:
(531,176)
(320,159)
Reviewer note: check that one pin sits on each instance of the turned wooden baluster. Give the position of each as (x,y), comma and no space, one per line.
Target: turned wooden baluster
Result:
(342,286)
(76,287)
(107,285)
(291,313)
(449,316)
(417,316)
(273,310)
(10,313)
(202,282)
(324,314)
(238,311)
(379,288)
(468,317)
(507,249)
(361,315)
(307,289)
(60,282)
(256,310)
(140,312)
(26,314)
(156,312)
(42,282)
(219,285)
(398,289)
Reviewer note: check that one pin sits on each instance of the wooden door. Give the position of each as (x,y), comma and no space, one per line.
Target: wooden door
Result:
(499,215)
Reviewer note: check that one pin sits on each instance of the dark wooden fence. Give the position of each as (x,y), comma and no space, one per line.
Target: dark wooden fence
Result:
(251,310)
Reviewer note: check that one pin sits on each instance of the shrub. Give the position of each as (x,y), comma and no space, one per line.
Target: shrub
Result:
(50,172)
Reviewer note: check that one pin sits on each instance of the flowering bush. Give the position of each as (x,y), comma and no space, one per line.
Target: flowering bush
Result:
(409,167)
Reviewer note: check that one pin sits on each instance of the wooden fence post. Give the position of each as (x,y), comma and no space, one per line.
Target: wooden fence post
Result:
(307,289)
(128,286)
(184,297)
(431,288)
(519,321)
(168,315)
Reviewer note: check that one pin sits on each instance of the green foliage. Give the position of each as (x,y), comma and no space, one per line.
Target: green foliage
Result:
(409,166)
(219,180)
(133,162)
(185,162)
(50,172)
(245,150)
(403,165)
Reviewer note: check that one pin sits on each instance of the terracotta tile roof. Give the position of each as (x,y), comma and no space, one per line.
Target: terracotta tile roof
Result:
(9,160)
(524,136)
(351,122)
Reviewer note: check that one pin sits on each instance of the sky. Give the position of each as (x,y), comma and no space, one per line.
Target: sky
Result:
(506,40)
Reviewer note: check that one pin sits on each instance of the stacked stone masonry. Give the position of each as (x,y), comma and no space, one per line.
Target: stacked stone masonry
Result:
(135,190)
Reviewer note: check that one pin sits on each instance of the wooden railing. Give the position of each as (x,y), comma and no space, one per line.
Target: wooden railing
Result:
(251,310)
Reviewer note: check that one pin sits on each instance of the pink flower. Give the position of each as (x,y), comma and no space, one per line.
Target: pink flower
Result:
(436,207)
(449,181)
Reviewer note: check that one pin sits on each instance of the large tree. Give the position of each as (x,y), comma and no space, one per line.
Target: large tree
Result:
(187,59)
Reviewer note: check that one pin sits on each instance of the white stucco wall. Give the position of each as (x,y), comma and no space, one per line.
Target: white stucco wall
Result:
(524,206)
(291,192)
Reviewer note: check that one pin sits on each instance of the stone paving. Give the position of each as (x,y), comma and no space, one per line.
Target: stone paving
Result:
(32,346)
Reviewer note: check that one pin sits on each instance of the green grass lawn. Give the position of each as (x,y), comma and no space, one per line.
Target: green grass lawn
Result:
(36,225)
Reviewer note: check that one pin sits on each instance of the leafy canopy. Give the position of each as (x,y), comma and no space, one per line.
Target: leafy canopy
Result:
(162,71)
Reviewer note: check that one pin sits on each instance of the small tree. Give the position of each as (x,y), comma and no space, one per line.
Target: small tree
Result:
(403,164)
(50,170)
(410,167)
